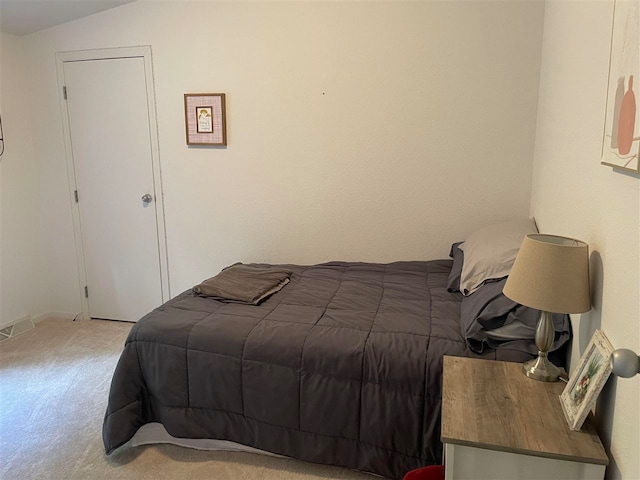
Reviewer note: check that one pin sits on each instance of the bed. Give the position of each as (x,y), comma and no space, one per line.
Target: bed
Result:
(342,366)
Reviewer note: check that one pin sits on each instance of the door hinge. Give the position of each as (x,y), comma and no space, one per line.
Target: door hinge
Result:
(86,292)
(64,92)
(75,194)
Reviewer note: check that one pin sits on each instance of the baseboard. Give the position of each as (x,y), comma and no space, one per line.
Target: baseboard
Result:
(41,317)
(63,315)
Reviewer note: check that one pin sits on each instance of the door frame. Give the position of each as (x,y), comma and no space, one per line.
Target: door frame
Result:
(143,52)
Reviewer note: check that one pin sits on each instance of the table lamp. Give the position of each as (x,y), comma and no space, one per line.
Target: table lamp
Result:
(550,274)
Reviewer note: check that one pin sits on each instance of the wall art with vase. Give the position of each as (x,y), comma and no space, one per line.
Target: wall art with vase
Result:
(621,139)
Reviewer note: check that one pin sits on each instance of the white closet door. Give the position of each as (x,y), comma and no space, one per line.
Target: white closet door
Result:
(111,146)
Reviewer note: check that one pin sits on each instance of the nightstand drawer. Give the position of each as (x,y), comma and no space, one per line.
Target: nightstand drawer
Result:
(471,463)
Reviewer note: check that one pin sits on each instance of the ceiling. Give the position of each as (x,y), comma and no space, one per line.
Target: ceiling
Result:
(22,17)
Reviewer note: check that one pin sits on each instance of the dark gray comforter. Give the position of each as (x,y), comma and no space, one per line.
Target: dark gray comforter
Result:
(343,366)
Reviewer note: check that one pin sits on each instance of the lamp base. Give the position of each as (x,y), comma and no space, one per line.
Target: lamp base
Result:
(541,369)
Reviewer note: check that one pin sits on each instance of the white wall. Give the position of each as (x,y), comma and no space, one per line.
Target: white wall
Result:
(369,131)
(574,195)
(356,131)
(23,273)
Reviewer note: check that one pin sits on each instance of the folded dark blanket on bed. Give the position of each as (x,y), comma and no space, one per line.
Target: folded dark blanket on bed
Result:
(488,309)
(243,284)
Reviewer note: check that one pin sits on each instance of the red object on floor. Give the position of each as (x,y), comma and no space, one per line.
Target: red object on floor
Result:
(432,472)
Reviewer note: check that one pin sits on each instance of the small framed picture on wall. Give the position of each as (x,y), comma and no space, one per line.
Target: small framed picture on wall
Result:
(205,123)
(205,119)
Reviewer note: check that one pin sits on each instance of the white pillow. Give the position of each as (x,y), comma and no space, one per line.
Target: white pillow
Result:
(489,253)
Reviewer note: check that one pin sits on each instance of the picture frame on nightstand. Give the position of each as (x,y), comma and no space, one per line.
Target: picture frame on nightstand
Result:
(588,379)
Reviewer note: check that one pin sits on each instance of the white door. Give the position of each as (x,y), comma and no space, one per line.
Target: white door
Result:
(111,146)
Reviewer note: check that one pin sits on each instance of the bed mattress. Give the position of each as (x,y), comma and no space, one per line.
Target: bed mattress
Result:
(343,366)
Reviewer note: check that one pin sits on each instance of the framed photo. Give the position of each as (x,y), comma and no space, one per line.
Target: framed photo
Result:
(621,138)
(205,119)
(584,386)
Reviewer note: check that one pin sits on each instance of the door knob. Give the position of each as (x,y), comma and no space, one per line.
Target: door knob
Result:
(147,198)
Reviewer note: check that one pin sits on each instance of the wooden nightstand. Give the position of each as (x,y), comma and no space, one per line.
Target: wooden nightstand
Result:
(499,424)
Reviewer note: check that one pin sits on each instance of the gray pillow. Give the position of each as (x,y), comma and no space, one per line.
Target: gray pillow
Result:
(453,283)
(488,311)
(489,253)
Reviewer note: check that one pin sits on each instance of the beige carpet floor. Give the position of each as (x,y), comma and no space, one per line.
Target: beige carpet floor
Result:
(54,382)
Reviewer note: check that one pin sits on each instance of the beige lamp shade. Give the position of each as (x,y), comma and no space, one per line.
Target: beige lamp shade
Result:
(551,273)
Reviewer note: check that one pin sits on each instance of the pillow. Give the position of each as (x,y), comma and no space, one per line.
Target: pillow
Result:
(453,283)
(489,319)
(489,253)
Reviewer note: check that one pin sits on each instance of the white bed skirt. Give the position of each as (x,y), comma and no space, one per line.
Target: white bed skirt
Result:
(153,433)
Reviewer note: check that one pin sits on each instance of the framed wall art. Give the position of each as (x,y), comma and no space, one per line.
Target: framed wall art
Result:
(621,138)
(584,386)
(205,119)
